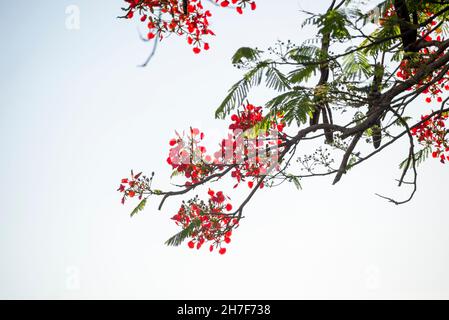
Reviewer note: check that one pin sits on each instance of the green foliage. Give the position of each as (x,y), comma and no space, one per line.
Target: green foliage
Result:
(382,38)
(306,58)
(312,20)
(295,105)
(334,24)
(175,173)
(247,53)
(302,74)
(239,90)
(420,156)
(346,75)
(178,238)
(352,160)
(304,54)
(139,207)
(295,180)
(274,79)
(356,64)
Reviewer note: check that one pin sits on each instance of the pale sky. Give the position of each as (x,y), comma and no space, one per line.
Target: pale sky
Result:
(76,115)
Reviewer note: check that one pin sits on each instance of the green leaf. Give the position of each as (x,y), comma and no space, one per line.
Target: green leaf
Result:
(352,160)
(295,105)
(178,238)
(274,79)
(305,54)
(356,65)
(333,22)
(296,181)
(302,74)
(420,156)
(377,42)
(175,173)
(139,207)
(239,90)
(247,53)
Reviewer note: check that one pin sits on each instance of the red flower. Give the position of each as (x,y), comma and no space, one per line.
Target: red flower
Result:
(253,6)
(222,251)
(173,142)
(196,50)
(191,244)
(250,184)
(131,193)
(220,197)
(225,3)
(229,207)
(150,35)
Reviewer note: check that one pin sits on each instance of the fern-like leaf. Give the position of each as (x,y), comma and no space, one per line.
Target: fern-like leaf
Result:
(247,53)
(356,65)
(178,238)
(239,90)
(420,156)
(139,207)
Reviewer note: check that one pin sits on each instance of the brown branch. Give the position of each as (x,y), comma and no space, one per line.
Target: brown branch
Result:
(344,161)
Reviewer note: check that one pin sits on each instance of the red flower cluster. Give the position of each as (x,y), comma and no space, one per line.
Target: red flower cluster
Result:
(207,221)
(240,5)
(250,150)
(248,118)
(409,67)
(251,116)
(185,18)
(434,90)
(259,153)
(136,185)
(188,157)
(433,133)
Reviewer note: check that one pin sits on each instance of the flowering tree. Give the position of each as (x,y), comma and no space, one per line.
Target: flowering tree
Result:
(349,89)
